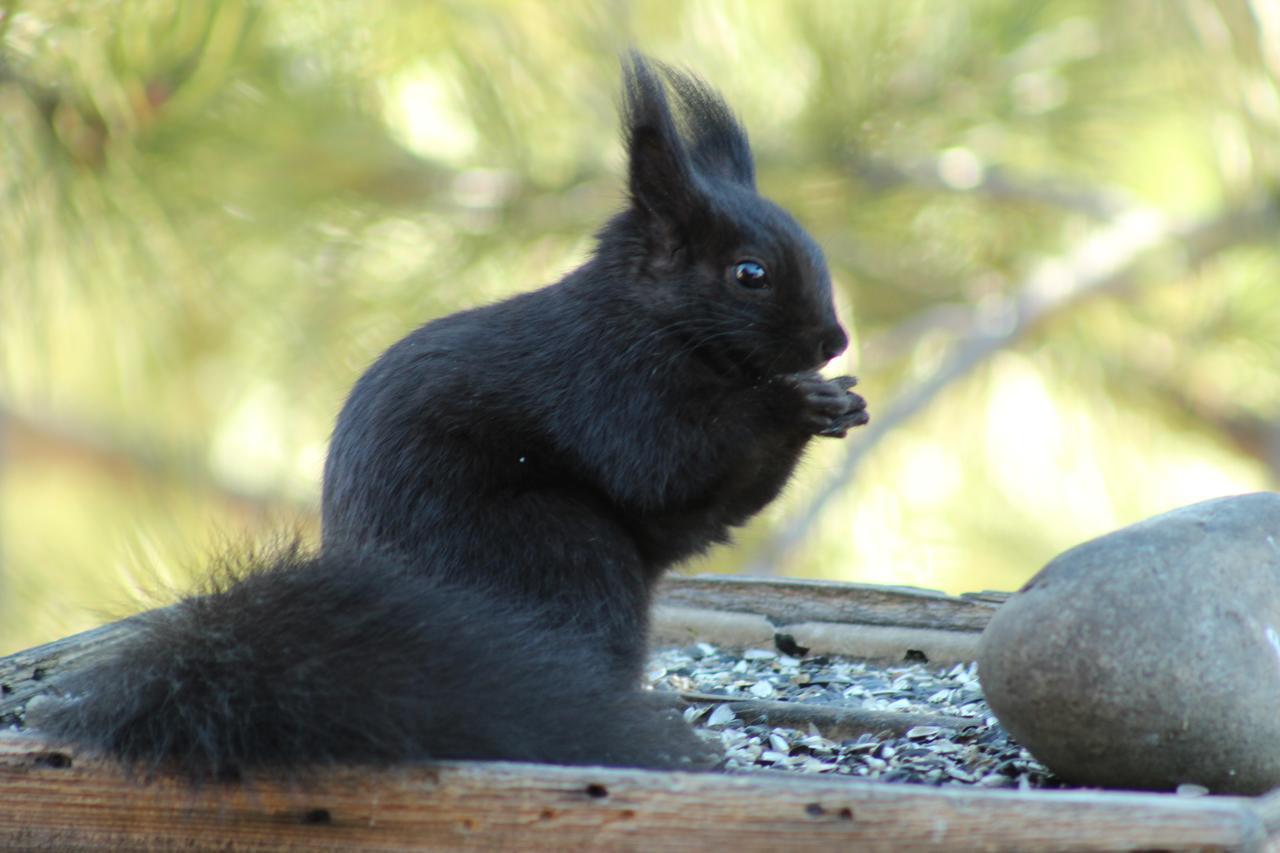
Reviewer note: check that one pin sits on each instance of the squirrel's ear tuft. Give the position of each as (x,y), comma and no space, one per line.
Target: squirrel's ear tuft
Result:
(663,182)
(717,143)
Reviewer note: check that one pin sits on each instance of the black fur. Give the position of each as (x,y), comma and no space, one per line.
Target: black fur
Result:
(531,468)
(290,661)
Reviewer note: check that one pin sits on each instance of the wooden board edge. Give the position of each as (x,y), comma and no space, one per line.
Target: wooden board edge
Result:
(56,799)
(680,625)
(827,601)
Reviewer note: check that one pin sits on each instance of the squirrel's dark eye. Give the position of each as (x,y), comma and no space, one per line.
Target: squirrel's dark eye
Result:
(751,274)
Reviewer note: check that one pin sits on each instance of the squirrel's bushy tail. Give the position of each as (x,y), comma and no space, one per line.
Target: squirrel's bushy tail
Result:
(298,660)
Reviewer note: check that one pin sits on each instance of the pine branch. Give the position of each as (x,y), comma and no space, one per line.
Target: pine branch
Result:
(960,171)
(1108,261)
(1254,436)
(102,449)
(963,173)
(7,13)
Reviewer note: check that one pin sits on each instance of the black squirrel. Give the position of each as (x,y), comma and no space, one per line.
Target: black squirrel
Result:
(503,490)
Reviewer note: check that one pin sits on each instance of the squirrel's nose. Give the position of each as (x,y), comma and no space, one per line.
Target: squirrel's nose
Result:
(833,342)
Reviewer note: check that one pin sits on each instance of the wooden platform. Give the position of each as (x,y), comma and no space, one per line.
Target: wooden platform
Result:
(52,798)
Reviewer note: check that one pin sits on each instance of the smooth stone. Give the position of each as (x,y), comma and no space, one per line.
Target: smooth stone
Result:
(1150,657)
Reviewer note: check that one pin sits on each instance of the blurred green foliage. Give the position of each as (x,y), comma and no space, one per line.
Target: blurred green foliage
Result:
(216,214)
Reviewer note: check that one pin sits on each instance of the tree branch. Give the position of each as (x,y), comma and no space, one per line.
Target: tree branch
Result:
(1251,435)
(1106,261)
(27,434)
(961,171)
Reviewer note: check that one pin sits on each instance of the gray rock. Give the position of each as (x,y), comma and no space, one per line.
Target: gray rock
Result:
(1150,657)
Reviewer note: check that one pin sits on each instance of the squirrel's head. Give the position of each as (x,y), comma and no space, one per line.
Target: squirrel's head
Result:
(724,268)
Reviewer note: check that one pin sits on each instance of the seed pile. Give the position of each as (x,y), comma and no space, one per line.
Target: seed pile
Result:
(974,750)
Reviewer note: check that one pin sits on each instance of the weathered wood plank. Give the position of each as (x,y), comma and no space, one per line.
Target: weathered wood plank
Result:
(29,672)
(675,625)
(1268,807)
(57,800)
(793,601)
(833,721)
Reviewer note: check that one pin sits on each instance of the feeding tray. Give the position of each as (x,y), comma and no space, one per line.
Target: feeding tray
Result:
(57,799)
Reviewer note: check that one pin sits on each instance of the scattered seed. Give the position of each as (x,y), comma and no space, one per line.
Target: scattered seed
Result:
(721,715)
(919,732)
(976,751)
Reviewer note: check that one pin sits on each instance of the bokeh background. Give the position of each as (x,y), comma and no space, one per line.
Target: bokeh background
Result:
(1053,227)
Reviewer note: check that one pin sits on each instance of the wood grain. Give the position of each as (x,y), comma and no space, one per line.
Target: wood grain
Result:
(33,671)
(833,721)
(676,625)
(792,601)
(55,799)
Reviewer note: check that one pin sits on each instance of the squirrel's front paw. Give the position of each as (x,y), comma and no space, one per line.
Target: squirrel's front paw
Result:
(828,407)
